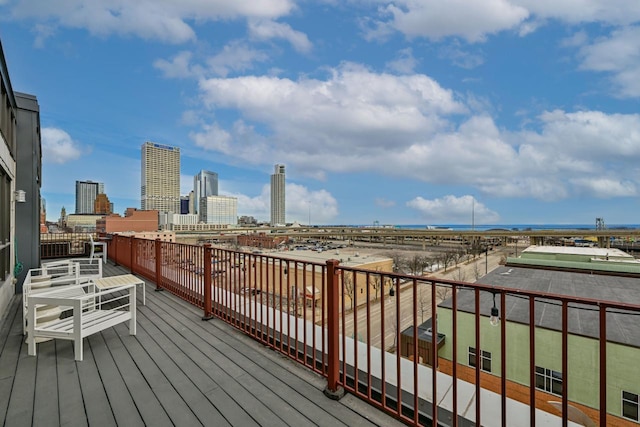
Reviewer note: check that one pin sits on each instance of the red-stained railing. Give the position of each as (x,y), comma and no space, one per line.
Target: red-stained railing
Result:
(63,245)
(350,325)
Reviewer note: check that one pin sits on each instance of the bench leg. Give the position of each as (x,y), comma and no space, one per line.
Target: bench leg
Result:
(31,321)
(132,310)
(77,330)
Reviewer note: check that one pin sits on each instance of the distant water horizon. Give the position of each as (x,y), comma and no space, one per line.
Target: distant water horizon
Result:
(514,227)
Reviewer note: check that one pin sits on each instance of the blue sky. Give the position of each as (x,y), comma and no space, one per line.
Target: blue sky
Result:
(401,112)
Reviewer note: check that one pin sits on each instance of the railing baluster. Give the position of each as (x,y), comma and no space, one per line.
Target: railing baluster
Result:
(478,355)
(454,364)
(603,364)
(503,357)
(565,363)
(532,360)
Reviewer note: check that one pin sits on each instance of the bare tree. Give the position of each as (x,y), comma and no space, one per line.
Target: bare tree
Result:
(460,275)
(442,293)
(447,258)
(477,273)
(416,264)
(375,281)
(394,328)
(398,260)
(424,301)
(349,286)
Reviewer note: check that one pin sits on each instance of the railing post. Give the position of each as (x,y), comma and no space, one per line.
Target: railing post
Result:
(114,251)
(158,264)
(132,252)
(208,310)
(333,390)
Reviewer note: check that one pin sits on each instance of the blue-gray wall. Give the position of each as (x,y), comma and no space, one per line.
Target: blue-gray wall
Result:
(29,179)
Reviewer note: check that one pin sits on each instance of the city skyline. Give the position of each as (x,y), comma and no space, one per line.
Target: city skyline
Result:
(389,112)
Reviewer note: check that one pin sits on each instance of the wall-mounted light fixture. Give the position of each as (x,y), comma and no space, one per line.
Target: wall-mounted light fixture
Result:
(494,319)
(20,196)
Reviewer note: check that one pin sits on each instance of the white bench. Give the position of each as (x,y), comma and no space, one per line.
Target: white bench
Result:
(88,314)
(53,274)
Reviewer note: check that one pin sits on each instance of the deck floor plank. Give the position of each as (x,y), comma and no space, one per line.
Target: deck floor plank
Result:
(174,364)
(46,387)
(177,370)
(122,404)
(153,413)
(69,391)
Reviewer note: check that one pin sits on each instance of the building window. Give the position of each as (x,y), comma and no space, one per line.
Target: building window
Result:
(5,225)
(549,380)
(485,359)
(630,405)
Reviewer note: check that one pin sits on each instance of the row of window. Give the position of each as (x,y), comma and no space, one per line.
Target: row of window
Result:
(550,381)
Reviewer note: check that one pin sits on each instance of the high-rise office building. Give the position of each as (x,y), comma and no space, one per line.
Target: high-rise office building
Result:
(160,187)
(86,193)
(205,184)
(219,210)
(278,196)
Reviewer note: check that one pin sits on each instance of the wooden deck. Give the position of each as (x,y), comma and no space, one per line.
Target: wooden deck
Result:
(177,370)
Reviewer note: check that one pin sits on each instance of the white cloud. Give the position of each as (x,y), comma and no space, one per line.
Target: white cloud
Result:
(405,126)
(462,58)
(58,147)
(451,209)
(614,12)
(436,19)
(179,66)
(164,20)
(474,20)
(235,56)
(214,138)
(405,63)
(578,39)
(302,204)
(606,188)
(267,30)
(618,54)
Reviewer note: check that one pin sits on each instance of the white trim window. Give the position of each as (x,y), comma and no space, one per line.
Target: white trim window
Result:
(630,405)
(485,359)
(549,380)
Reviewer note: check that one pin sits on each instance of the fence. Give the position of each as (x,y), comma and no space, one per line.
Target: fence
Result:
(63,245)
(365,331)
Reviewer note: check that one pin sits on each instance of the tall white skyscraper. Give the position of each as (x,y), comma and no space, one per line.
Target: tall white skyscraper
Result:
(86,192)
(160,188)
(205,184)
(278,196)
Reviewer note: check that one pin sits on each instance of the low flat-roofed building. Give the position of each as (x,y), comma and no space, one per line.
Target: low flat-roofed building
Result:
(134,220)
(595,260)
(83,222)
(165,236)
(623,333)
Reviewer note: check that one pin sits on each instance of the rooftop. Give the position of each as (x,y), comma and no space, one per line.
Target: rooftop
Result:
(621,328)
(177,370)
(348,257)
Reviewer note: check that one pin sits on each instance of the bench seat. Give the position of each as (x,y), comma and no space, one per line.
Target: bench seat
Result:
(90,311)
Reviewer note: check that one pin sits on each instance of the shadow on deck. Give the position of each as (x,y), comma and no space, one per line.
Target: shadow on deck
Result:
(177,370)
